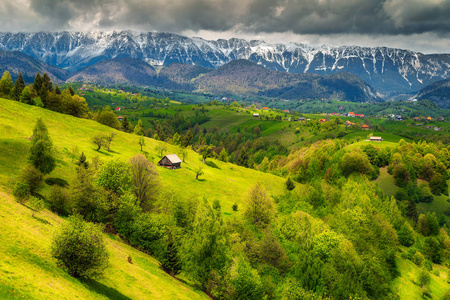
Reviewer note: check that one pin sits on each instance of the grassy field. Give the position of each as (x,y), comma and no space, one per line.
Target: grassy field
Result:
(405,285)
(27,270)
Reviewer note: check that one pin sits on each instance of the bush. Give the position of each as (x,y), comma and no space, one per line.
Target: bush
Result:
(406,235)
(79,247)
(21,192)
(59,200)
(33,177)
(418,259)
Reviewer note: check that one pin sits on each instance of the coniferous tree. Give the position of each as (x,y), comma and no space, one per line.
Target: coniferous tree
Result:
(37,85)
(57,90)
(19,85)
(6,84)
(46,88)
(41,155)
(72,92)
(125,124)
(170,261)
(290,184)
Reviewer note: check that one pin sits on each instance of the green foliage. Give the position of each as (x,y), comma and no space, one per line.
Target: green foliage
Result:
(36,204)
(108,118)
(290,184)
(145,181)
(170,261)
(355,162)
(423,278)
(204,249)
(406,235)
(139,129)
(432,249)
(33,178)
(80,248)
(25,97)
(199,172)
(19,85)
(41,152)
(246,281)
(59,200)
(6,85)
(260,209)
(21,191)
(115,175)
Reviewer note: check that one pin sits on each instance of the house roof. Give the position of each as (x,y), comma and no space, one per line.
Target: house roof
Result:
(375,137)
(364,126)
(173,158)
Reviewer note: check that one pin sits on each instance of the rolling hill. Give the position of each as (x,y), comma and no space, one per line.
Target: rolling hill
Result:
(18,62)
(117,71)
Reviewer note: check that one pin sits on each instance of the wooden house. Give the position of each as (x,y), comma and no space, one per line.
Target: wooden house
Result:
(171,161)
(376,139)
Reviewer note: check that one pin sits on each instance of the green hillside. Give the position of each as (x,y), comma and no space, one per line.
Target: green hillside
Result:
(26,264)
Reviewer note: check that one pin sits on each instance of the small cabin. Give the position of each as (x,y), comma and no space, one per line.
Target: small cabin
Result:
(302,119)
(255,115)
(376,139)
(171,161)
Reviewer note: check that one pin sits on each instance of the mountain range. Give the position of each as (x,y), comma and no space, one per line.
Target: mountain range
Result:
(390,71)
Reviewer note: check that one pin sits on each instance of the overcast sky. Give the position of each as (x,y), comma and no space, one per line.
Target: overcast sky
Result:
(420,25)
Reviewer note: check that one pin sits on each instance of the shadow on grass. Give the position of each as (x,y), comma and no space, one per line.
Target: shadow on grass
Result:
(212,165)
(42,220)
(202,180)
(103,152)
(102,289)
(57,181)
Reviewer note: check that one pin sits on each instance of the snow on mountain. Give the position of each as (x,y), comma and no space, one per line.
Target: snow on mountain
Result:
(388,70)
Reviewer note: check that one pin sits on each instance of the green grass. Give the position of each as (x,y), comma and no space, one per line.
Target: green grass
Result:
(27,270)
(386,182)
(26,267)
(406,288)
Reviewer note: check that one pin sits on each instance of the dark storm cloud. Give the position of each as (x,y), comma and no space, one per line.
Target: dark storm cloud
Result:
(391,17)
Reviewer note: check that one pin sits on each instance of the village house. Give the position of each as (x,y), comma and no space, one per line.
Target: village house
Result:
(255,115)
(376,139)
(170,161)
(365,127)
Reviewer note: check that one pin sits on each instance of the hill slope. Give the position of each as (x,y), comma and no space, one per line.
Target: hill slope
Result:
(117,71)
(16,62)
(438,92)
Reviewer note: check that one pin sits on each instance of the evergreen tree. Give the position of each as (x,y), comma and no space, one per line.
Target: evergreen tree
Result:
(46,89)
(82,161)
(170,261)
(25,97)
(290,184)
(72,92)
(41,155)
(6,84)
(125,124)
(160,132)
(37,85)
(57,90)
(19,85)
(187,138)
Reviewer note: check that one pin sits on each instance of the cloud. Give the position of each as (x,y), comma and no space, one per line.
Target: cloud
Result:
(312,18)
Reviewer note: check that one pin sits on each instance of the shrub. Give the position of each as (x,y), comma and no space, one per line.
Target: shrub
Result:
(79,247)
(21,192)
(33,178)
(36,204)
(418,259)
(59,200)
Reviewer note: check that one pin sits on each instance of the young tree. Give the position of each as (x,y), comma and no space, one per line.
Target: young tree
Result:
(33,178)
(41,152)
(259,208)
(161,147)
(139,129)
(290,184)
(183,153)
(108,140)
(145,180)
(125,124)
(108,118)
(98,140)
(115,175)
(80,248)
(6,84)
(206,151)
(25,97)
(199,172)
(141,142)
(36,204)
(71,91)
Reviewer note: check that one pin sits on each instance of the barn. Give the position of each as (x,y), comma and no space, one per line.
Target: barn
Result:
(171,161)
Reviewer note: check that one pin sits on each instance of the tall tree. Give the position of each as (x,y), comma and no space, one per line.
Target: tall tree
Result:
(19,85)
(260,208)
(37,85)
(6,84)
(25,97)
(41,152)
(139,129)
(204,250)
(145,180)
(170,261)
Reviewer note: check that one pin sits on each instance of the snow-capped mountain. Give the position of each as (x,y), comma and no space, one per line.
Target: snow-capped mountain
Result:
(386,69)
